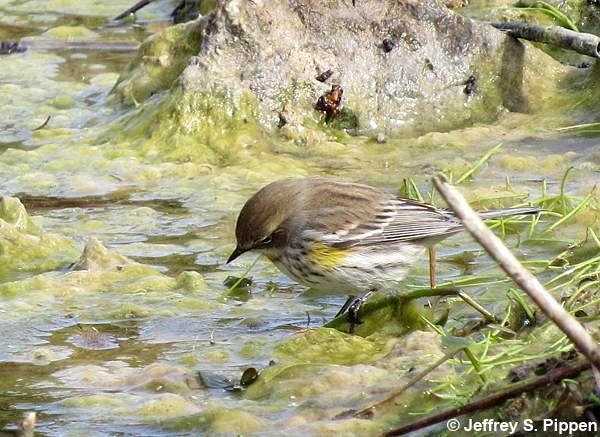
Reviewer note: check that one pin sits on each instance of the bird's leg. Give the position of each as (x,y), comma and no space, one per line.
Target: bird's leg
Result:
(432,266)
(353,310)
(432,278)
(344,307)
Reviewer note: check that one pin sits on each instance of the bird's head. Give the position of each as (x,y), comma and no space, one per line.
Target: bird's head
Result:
(263,223)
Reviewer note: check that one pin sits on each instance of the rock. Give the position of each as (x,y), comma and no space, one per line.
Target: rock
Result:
(13,212)
(275,51)
(97,257)
(26,427)
(255,65)
(24,247)
(381,138)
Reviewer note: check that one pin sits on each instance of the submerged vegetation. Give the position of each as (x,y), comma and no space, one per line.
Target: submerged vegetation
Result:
(119,194)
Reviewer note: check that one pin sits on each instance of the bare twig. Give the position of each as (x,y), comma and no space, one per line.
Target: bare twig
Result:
(43,125)
(584,43)
(369,409)
(489,317)
(522,277)
(132,10)
(495,399)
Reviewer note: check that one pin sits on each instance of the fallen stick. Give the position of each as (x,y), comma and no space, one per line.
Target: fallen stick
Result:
(494,399)
(43,125)
(584,43)
(369,409)
(132,10)
(582,340)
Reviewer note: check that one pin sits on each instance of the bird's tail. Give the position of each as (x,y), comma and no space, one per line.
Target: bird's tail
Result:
(507,212)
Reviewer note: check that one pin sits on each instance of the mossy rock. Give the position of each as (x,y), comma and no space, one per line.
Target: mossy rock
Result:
(159,61)
(26,247)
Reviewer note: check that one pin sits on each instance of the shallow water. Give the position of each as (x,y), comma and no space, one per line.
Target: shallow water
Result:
(118,352)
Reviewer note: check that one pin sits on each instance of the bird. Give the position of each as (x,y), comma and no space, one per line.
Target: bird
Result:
(342,237)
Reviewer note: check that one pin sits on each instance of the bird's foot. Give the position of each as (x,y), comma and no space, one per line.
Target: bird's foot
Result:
(353,308)
(345,307)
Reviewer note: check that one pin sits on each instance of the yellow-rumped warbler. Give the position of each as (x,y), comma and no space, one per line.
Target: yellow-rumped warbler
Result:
(343,237)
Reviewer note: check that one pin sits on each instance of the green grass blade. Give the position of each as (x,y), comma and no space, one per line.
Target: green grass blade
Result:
(574,211)
(477,166)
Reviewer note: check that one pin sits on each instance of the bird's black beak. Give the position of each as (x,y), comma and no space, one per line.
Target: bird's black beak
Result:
(237,252)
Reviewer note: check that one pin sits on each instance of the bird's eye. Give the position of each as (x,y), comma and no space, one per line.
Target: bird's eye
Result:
(265,241)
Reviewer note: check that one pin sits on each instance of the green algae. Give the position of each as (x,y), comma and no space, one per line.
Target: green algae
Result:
(205,126)
(388,316)
(103,401)
(159,61)
(325,345)
(163,405)
(70,33)
(24,247)
(219,421)
(191,281)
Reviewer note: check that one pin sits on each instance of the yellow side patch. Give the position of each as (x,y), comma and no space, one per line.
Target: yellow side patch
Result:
(326,256)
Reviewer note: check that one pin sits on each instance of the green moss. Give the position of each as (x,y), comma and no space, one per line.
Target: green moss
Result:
(195,304)
(161,406)
(191,281)
(159,61)
(207,6)
(70,32)
(218,355)
(25,247)
(220,421)
(127,311)
(62,102)
(282,374)
(546,165)
(253,349)
(101,400)
(325,345)
(146,283)
(388,316)
(346,120)
(204,126)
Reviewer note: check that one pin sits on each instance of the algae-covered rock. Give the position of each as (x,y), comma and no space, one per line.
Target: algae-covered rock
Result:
(158,63)
(97,257)
(100,270)
(257,62)
(217,421)
(326,345)
(191,281)
(315,371)
(387,316)
(70,33)
(13,212)
(25,247)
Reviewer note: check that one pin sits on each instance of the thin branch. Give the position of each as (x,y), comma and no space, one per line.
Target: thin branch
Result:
(495,399)
(132,10)
(522,277)
(369,409)
(43,125)
(584,43)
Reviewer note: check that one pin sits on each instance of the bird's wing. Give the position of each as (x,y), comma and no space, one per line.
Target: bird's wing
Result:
(410,220)
(351,215)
